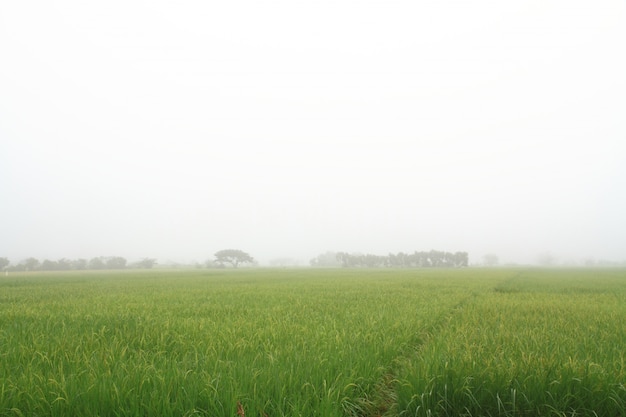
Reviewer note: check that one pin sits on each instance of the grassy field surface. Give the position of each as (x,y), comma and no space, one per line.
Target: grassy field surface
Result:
(307,342)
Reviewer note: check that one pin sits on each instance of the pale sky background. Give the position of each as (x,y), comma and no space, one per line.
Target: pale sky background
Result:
(290,128)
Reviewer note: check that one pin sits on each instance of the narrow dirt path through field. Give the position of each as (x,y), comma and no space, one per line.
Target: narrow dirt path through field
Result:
(382,401)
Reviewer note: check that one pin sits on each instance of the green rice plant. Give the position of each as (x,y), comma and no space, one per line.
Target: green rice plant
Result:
(313,343)
(276,342)
(543,343)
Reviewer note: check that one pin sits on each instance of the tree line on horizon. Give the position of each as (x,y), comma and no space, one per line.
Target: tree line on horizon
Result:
(64,264)
(233,257)
(423,259)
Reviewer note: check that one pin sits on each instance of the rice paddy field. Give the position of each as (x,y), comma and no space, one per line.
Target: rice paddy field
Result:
(314,342)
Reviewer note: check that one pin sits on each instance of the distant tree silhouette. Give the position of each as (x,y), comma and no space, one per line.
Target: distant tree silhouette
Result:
(97,263)
(233,257)
(433,258)
(147,263)
(30,264)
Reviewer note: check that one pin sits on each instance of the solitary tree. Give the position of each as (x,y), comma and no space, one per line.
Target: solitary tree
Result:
(4,262)
(233,257)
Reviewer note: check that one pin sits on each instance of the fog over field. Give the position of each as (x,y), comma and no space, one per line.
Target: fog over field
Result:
(291,128)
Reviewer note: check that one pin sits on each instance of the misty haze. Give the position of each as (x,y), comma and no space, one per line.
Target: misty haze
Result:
(287,130)
(331,208)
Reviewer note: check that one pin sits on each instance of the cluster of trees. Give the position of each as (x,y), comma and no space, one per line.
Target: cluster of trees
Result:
(232,257)
(236,257)
(431,259)
(101,262)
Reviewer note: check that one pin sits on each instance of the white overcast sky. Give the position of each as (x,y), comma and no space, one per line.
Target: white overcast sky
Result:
(289,128)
